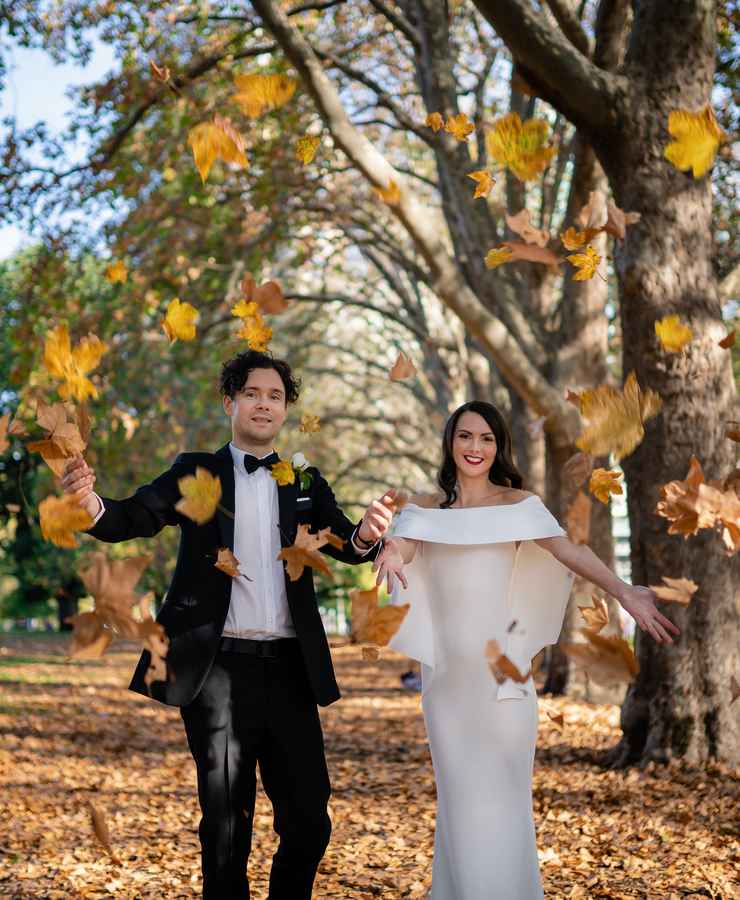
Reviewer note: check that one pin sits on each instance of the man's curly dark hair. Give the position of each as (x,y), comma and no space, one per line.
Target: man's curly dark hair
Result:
(235,371)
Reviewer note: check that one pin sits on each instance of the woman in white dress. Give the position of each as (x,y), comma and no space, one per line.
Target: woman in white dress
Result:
(483,560)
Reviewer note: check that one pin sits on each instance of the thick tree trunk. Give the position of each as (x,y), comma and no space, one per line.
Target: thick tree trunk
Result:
(679,703)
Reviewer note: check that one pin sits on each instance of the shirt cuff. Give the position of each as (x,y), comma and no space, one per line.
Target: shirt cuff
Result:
(360,551)
(100,511)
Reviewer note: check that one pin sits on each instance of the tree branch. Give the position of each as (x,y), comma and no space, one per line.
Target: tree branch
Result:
(570,25)
(729,287)
(563,75)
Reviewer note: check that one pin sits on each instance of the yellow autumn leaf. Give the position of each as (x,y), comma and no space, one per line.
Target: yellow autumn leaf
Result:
(258,93)
(698,137)
(306,147)
(117,272)
(435,121)
(459,126)
(283,472)
(484,182)
(673,334)
(72,365)
(179,322)
(245,310)
(520,146)
(256,333)
(310,424)
(615,418)
(497,257)
(573,239)
(390,194)
(604,482)
(60,517)
(200,495)
(216,140)
(586,263)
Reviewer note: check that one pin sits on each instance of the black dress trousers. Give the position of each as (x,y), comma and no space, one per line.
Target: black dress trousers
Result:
(255,710)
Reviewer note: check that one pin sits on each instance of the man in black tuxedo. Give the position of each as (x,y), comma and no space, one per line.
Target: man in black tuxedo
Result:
(248,657)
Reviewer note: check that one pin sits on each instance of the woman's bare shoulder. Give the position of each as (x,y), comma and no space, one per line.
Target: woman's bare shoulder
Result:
(426,501)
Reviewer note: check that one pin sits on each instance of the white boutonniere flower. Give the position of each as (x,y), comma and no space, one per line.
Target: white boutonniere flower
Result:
(299,463)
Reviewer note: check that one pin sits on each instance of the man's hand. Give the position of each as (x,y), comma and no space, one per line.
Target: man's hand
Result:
(377,519)
(78,480)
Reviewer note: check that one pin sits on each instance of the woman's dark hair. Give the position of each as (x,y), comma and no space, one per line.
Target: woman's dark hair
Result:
(235,371)
(503,471)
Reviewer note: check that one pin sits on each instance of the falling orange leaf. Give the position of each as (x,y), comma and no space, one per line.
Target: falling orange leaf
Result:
(497,257)
(258,93)
(435,121)
(200,495)
(60,517)
(179,321)
(520,146)
(116,272)
(101,832)
(732,434)
(618,220)
(62,439)
(557,719)
(256,333)
(728,341)
(606,659)
(283,472)
(698,137)
(161,73)
(675,590)
(310,424)
(532,253)
(459,126)
(595,616)
(305,552)
(390,194)
(484,182)
(574,240)
(616,418)
(501,666)
(402,368)
(586,263)
(268,296)
(227,562)
(521,224)
(673,334)
(371,623)
(214,140)
(306,147)
(603,483)
(72,365)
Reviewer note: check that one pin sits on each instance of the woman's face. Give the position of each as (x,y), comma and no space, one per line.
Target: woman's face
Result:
(473,446)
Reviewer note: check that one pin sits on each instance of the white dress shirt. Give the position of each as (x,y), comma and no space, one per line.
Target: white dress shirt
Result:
(258,609)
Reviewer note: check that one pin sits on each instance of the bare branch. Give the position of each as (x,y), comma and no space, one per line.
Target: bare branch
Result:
(571,26)
(398,21)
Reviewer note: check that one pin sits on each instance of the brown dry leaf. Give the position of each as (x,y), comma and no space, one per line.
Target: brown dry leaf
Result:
(371,654)
(268,296)
(606,659)
(520,224)
(578,468)
(592,214)
(435,121)
(578,519)
(603,483)
(557,719)
(732,434)
(161,73)
(305,552)
(402,368)
(618,220)
(596,616)
(101,832)
(532,253)
(373,624)
(62,439)
(728,341)
(90,637)
(615,419)
(501,666)
(227,562)
(675,590)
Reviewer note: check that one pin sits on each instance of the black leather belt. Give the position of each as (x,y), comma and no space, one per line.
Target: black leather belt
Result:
(271,649)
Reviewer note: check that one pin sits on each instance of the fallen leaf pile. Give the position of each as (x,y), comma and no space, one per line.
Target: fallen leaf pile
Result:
(73,736)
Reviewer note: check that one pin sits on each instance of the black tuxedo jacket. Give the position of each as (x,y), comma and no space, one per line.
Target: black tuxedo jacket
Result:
(197,601)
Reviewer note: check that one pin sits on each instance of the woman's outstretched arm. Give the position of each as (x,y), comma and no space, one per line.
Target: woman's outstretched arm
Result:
(638,601)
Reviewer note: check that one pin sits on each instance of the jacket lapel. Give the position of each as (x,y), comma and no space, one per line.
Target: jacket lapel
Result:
(226,474)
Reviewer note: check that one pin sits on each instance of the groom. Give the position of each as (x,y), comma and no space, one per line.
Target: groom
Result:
(248,658)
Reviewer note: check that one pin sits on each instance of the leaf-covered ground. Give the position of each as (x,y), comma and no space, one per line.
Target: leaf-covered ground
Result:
(70,733)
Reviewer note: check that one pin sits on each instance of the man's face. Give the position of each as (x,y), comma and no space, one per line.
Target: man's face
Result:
(258,410)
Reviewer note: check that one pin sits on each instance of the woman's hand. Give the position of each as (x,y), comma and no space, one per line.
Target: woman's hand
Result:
(640,604)
(389,565)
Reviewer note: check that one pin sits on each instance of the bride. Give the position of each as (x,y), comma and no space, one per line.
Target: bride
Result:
(480,560)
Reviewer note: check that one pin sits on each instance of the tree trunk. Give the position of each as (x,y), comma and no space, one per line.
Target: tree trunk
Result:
(679,703)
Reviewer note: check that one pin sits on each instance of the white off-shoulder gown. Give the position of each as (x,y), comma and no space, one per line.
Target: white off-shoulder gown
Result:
(478,574)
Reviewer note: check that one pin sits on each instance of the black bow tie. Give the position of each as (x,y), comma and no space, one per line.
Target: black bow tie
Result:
(251,463)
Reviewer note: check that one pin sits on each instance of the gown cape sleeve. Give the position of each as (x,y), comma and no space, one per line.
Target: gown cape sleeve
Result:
(536,596)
